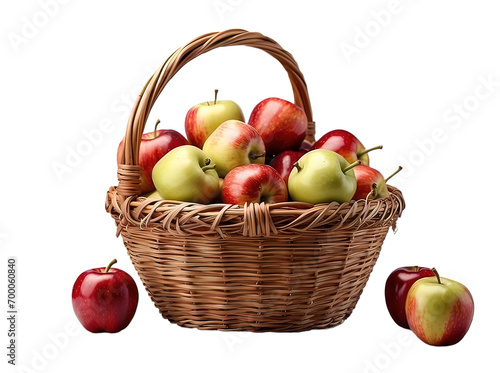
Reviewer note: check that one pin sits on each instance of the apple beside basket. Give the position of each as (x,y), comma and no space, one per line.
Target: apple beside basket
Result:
(281,267)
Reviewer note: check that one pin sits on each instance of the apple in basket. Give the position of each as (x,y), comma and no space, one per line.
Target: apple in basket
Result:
(345,144)
(439,311)
(153,195)
(105,299)
(369,180)
(284,161)
(234,144)
(186,174)
(322,176)
(154,145)
(202,119)
(253,183)
(281,124)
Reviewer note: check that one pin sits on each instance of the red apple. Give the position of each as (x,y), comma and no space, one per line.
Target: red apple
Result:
(233,144)
(154,145)
(439,310)
(397,286)
(283,162)
(281,124)
(253,183)
(370,180)
(105,299)
(345,144)
(202,119)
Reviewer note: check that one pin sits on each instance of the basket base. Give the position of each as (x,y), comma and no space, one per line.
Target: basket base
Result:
(283,328)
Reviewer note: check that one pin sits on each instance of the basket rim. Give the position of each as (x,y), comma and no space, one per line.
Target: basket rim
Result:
(264,219)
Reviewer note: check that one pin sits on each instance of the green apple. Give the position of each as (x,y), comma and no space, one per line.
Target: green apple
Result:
(234,144)
(202,119)
(187,174)
(154,194)
(439,310)
(322,176)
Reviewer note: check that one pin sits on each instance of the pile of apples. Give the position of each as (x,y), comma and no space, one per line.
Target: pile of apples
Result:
(223,159)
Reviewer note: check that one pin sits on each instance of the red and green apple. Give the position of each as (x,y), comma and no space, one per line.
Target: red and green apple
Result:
(234,144)
(371,183)
(253,183)
(154,145)
(439,310)
(346,144)
(281,124)
(202,119)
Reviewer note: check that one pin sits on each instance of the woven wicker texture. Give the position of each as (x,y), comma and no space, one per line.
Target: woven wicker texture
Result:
(263,267)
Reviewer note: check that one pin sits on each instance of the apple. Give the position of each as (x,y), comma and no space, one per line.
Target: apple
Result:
(322,176)
(371,183)
(345,144)
(186,174)
(284,161)
(218,197)
(253,183)
(154,145)
(105,299)
(154,195)
(234,144)
(439,310)
(202,119)
(281,124)
(397,286)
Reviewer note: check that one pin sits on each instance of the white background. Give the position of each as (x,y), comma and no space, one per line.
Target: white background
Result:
(414,82)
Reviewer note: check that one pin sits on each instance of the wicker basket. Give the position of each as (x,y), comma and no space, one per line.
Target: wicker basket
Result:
(263,267)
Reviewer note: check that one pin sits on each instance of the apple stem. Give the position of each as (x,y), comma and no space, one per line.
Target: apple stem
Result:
(215,98)
(394,173)
(297,166)
(369,150)
(437,275)
(156,126)
(208,167)
(255,156)
(114,261)
(351,166)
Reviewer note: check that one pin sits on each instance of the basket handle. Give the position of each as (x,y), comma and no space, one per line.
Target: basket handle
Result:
(128,169)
